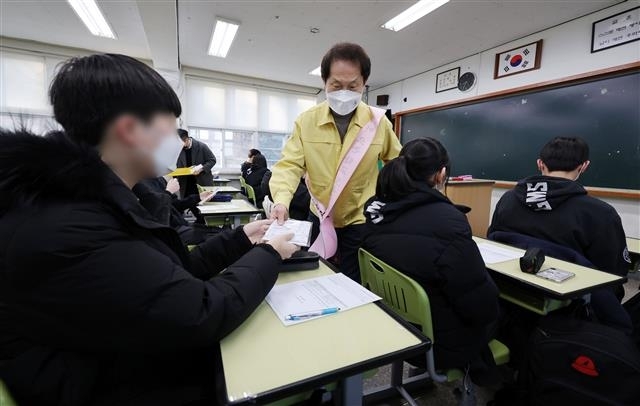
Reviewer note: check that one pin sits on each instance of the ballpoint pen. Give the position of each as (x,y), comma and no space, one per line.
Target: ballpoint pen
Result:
(314,313)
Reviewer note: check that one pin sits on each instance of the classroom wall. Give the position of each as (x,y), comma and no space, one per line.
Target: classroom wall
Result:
(566,51)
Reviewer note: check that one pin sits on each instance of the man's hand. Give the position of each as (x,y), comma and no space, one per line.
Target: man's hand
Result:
(206,196)
(283,246)
(197,170)
(280,213)
(173,186)
(255,230)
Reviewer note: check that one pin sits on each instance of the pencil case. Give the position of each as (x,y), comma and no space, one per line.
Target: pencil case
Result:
(301,261)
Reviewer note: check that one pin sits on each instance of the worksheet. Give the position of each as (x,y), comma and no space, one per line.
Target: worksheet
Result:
(492,254)
(301,231)
(311,296)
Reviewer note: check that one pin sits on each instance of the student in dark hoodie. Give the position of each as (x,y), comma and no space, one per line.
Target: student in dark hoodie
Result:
(99,303)
(554,207)
(159,198)
(255,175)
(413,227)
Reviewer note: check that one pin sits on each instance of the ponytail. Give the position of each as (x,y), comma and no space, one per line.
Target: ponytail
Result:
(419,162)
(394,180)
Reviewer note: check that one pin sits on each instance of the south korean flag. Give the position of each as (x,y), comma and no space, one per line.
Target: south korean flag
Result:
(517,60)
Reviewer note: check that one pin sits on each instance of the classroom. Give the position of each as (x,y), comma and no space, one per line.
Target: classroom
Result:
(319,202)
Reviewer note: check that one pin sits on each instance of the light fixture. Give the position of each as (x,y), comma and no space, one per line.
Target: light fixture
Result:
(315,72)
(223,34)
(413,13)
(92,17)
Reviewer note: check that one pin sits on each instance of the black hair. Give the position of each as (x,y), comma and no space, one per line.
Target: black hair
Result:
(564,153)
(88,92)
(419,160)
(259,161)
(254,152)
(184,134)
(346,51)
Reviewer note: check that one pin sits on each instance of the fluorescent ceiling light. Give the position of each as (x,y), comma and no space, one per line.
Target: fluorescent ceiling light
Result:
(92,17)
(413,13)
(223,34)
(315,72)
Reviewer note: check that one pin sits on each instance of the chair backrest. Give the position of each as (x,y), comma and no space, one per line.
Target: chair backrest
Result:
(549,248)
(243,183)
(404,295)
(251,194)
(5,397)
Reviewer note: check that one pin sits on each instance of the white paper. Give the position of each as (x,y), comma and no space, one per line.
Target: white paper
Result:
(315,294)
(492,254)
(301,231)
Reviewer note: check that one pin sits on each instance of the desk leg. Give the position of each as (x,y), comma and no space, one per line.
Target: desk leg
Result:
(351,390)
(236,221)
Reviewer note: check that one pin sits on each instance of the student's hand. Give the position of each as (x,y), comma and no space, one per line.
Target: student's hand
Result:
(205,196)
(256,229)
(283,246)
(280,213)
(173,186)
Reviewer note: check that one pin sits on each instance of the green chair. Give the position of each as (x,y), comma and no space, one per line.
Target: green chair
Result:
(243,184)
(407,298)
(251,194)
(5,398)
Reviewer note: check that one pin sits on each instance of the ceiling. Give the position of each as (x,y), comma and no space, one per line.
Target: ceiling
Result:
(275,40)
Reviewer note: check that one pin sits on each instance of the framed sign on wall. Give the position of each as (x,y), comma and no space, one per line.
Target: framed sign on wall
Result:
(518,60)
(616,30)
(447,80)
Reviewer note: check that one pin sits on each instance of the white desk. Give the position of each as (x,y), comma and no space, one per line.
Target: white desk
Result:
(264,361)
(220,181)
(236,209)
(633,245)
(222,189)
(541,295)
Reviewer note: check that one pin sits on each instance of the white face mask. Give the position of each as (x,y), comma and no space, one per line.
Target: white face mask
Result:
(343,102)
(166,154)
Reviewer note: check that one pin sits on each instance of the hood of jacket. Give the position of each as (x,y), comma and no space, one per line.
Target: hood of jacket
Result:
(540,193)
(36,169)
(378,211)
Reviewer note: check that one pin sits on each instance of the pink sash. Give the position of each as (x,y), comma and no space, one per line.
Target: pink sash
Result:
(327,242)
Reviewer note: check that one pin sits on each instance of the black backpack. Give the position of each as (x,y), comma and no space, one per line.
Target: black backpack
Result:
(578,362)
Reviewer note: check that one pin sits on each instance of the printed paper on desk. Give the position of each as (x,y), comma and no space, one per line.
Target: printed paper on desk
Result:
(314,294)
(492,254)
(301,231)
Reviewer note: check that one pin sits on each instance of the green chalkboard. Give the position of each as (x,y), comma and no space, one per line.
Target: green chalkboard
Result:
(499,138)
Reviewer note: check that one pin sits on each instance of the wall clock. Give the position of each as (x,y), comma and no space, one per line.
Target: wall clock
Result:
(466,81)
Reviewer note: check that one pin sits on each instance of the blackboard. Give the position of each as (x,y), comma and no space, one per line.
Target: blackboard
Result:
(499,138)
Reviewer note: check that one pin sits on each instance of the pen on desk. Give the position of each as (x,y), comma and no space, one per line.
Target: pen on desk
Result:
(315,313)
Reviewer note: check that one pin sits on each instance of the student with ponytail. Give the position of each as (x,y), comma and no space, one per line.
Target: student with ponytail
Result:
(413,227)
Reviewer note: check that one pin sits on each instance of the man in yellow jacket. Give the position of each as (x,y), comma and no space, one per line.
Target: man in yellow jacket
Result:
(321,138)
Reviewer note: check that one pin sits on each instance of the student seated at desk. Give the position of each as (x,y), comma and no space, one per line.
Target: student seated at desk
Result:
(413,227)
(246,165)
(255,174)
(159,198)
(554,207)
(299,206)
(99,303)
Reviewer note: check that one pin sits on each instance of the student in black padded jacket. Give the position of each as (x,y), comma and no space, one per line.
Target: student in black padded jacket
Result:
(413,227)
(99,303)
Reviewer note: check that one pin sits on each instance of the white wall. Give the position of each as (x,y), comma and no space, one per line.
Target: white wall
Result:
(566,51)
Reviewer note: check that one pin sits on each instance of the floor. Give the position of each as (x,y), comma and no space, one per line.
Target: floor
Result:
(442,394)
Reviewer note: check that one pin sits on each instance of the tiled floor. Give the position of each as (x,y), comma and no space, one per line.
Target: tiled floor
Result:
(442,394)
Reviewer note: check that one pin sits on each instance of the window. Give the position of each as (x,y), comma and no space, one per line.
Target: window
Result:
(24,84)
(231,147)
(231,119)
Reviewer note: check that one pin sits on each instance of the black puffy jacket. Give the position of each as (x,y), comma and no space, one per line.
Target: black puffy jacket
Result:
(96,298)
(428,239)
